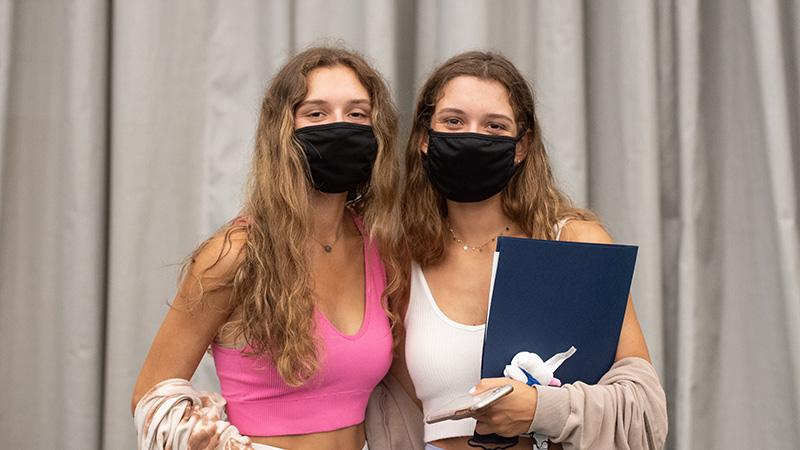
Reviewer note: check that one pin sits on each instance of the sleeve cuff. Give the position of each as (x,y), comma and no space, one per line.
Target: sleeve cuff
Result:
(552,411)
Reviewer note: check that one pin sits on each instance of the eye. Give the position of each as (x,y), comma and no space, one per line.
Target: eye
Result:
(310,113)
(498,128)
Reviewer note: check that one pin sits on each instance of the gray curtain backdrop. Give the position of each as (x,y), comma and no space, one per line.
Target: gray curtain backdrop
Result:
(126,129)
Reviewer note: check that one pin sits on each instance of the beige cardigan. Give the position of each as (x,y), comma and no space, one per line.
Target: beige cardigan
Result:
(626,409)
(173,415)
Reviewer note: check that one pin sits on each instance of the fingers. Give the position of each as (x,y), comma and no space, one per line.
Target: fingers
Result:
(512,415)
(489,383)
(482,428)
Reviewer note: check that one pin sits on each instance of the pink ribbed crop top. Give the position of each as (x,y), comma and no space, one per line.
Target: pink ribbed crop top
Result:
(261,404)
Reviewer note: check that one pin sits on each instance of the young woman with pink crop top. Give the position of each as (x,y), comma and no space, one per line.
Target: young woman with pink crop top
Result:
(476,168)
(290,296)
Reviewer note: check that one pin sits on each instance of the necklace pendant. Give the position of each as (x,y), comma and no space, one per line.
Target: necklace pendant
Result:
(327,248)
(466,248)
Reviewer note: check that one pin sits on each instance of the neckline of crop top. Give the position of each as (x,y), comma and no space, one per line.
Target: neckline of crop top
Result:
(432,301)
(368,263)
(370,260)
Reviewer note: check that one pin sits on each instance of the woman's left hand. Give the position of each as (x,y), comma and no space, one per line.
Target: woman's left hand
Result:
(510,416)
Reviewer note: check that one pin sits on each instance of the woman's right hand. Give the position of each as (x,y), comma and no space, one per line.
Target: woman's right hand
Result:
(510,416)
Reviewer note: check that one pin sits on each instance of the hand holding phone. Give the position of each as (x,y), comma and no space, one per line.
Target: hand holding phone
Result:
(468,405)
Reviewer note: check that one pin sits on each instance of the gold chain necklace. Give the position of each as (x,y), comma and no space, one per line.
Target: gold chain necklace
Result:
(477,247)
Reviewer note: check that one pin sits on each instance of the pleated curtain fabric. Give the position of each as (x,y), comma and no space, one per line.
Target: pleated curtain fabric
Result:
(126,131)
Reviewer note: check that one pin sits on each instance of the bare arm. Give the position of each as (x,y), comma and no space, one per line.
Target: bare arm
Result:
(399,369)
(189,326)
(400,372)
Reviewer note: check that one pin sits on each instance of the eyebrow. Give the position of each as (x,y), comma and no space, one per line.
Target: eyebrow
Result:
(325,102)
(488,116)
(450,110)
(500,116)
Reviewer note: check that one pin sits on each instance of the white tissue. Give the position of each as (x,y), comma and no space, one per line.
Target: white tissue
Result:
(555,361)
(515,373)
(533,364)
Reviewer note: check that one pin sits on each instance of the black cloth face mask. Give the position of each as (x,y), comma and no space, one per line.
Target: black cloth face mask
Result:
(469,167)
(339,154)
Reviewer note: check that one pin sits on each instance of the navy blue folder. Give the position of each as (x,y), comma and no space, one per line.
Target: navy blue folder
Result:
(550,295)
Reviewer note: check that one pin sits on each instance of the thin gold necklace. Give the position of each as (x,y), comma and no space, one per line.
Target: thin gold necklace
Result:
(477,247)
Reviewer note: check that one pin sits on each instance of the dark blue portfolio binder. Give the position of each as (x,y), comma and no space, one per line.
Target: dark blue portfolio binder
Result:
(550,295)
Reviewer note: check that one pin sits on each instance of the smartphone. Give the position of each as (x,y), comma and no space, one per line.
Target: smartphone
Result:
(468,405)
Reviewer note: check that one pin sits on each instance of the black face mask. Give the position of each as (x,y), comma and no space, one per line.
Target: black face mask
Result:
(469,167)
(339,154)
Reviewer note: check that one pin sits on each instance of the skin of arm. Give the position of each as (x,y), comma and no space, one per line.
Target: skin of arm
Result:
(189,326)
(400,372)
(512,415)
(399,369)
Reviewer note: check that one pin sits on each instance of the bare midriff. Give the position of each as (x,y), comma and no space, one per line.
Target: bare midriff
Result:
(350,438)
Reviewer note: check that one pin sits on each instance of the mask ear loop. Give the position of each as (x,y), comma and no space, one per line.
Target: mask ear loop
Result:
(428,128)
(522,134)
(519,137)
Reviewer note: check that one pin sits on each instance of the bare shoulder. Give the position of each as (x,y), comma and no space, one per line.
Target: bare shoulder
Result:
(584,231)
(221,254)
(212,269)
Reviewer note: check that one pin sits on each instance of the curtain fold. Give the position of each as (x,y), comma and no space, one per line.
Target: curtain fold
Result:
(53,230)
(779,119)
(623,146)
(6,20)
(126,131)
(688,117)
(553,54)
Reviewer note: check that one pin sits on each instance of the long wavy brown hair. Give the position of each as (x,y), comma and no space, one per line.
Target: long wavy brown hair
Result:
(273,283)
(531,198)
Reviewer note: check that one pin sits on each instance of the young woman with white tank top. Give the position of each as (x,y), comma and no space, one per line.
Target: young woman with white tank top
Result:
(476,169)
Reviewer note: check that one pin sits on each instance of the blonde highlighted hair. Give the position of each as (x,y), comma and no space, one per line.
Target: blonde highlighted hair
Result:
(272,281)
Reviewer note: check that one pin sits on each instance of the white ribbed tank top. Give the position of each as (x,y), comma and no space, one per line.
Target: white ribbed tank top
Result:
(443,356)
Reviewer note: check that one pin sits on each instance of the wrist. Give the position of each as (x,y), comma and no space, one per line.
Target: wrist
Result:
(534,404)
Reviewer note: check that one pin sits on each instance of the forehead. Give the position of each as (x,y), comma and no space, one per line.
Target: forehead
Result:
(335,81)
(474,91)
